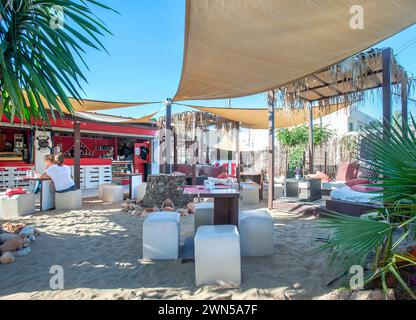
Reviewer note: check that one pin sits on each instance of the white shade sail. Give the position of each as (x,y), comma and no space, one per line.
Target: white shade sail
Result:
(237,48)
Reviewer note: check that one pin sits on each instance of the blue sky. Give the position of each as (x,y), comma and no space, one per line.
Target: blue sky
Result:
(145,57)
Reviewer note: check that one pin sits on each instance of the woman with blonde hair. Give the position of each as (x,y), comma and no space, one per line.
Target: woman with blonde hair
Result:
(59,173)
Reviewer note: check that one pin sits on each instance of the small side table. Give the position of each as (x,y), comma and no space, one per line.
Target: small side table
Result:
(303,189)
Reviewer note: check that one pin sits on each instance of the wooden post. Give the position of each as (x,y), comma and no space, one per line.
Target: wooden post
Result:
(310,142)
(77,154)
(270,155)
(405,111)
(193,174)
(387,101)
(237,151)
(168,137)
(175,150)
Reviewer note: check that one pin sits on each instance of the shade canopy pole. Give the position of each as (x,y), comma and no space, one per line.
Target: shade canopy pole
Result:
(77,154)
(175,149)
(237,151)
(168,136)
(387,97)
(310,141)
(270,156)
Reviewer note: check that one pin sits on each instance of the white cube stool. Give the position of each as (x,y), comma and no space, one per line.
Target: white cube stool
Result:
(256,233)
(217,255)
(101,189)
(68,200)
(204,214)
(113,193)
(250,193)
(141,191)
(16,206)
(161,236)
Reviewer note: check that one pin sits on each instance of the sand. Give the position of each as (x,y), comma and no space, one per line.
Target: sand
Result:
(100,251)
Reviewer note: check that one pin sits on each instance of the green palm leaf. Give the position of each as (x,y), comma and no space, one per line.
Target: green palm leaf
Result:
(39,60)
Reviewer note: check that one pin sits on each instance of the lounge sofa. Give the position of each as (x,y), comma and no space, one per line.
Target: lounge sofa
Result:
(203,172)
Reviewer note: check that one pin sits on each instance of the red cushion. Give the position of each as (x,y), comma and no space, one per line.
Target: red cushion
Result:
(212,171)
(366,189)
(185,169)
(347,171)
(14,191)
(353,182)
(223,176)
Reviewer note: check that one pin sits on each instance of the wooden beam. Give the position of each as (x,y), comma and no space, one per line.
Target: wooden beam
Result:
(237,151)
(310,142)
(168,136)
(405,111)
(77,154)
(270,155)
(387,92)
(175,150)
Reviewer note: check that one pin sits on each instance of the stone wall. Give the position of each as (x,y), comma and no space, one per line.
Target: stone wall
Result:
(163,186)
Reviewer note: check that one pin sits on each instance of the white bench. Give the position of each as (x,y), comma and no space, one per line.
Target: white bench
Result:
(217,255)
(204,214)
(71,200)
(256,233)
(161,236)
(101,190)
(16,206)
(113,193)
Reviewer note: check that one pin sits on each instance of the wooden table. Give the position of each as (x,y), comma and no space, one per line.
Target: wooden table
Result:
(256,177)
(225,202)
(47,193)
(135,179)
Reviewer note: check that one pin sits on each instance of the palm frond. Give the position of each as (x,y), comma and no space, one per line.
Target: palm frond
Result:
(352,239)
(39,60)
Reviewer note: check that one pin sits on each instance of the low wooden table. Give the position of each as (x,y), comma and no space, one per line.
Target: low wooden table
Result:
(225,202)
(47,193)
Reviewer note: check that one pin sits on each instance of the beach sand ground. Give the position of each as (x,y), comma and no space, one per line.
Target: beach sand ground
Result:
(100,250)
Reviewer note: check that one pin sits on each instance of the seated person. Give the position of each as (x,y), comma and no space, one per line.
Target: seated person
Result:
(59,173)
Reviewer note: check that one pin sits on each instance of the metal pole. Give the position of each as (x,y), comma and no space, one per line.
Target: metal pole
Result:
(77,154)
(387,101)
(270,155)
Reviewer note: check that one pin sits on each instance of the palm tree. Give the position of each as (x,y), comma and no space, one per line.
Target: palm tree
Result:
(42,44)
(380,240)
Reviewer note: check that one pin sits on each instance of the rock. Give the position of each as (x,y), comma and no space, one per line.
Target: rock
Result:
(4,237)
(183,212)
(162,187)
(191,208)
(7,258)
(372,295)
(336,295)
(14,244)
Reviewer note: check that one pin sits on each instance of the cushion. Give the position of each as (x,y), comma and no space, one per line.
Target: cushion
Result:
(212,171)
(347,171)
(365,171)
(320,175)
(185,169)
(353,182)
(365,189)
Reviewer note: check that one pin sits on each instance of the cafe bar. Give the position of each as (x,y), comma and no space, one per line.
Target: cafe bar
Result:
(111,148)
